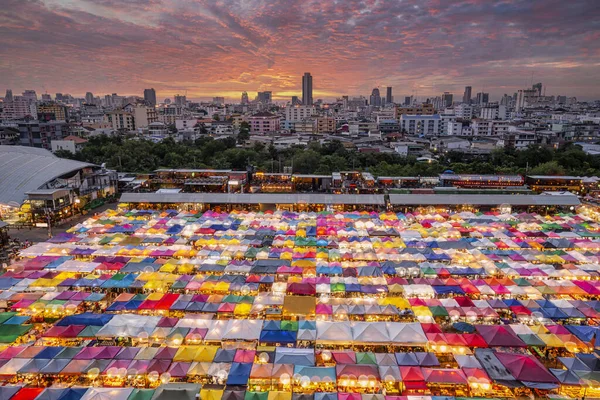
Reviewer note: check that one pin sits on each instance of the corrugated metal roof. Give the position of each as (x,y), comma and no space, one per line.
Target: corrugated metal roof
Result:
(25,169)
(483,199)
(249,198)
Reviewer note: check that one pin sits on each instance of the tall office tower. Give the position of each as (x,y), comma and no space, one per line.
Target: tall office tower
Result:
(375,99)
(538,88)
(467,95)
(150,96)
(447,98)
(89,98)
(307,89)
(245,98)
(9,95)
(388,95)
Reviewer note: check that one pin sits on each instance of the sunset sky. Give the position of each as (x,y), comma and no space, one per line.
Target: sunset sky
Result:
(211,48)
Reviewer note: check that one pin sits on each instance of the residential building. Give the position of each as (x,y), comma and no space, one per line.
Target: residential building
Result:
(70,143)
(524,98)
(307,89)
(185,124)
(325,125)
(299,113)
(445,120)
(18,108)
(306,127)
(463,111)
(9,95)
(120,120)
(52,112)
(89,98)
(264,122)
(245,100)
(144,115)
(40,134)
(494,112)
(485,127)
(428,125)
(150,97)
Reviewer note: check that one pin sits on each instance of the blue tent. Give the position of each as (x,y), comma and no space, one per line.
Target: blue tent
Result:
(278,336)
(584,333)
(49,352)
(85,319)
(239,374)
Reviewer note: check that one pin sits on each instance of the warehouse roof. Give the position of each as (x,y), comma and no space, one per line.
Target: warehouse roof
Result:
(483,199)
(25,169)
(248,198)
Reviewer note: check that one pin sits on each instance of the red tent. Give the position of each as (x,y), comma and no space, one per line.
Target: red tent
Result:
(500,336)
(526,368)
(445,376)
(28,393)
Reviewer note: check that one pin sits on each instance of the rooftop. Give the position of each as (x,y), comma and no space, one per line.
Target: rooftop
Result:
(26,169)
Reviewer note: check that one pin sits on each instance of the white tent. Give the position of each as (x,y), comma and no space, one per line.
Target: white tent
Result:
(329,332)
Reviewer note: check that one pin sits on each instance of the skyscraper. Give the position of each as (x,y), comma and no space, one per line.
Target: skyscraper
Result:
(295,100)
(89,98)
(245,98)
(9,95)
(265,97)
(483,98)
(447,98)
(538,88)
(150,96)
(467,95)
(388,95)
(307,89)
(375,99)
(408,100)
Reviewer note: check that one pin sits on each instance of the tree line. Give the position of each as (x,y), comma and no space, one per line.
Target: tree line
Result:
(133,154)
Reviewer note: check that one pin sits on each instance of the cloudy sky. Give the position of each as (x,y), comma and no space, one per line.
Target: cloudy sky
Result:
(209,48)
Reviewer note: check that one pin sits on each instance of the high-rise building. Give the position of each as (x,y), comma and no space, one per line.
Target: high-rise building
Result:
(538,87)
(46,97)
(408,100)
(150,97)
(30,95)
(265,97)
(375,99)
(389,98)
(180,100)
(89,98)
(245,98)
(483,98)
(447,98)
(218,100)
(296,101)
(467,95)
(307,89)
(9,95)
(58,97)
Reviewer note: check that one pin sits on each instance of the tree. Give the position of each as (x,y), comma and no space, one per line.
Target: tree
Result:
(216,117)
(244,133)
(548,168)
(64,154)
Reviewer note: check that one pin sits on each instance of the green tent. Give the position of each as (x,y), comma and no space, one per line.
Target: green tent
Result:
(438,311)
(365,358)
(141,394)
(289,326)
(532,340)
(10,333)
(6,316)
(89,331)
(256,396)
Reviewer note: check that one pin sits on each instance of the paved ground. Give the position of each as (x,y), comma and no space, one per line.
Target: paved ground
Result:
(41,234)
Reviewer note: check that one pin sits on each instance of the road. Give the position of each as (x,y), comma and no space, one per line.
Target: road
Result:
(41,234)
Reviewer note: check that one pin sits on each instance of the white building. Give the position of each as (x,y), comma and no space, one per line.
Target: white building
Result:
(144,115)
(298,113)
(420,124)
(494,112)
(485,127)
(463,111)
(183,124)
(69,143)
(18,108)
(445,120)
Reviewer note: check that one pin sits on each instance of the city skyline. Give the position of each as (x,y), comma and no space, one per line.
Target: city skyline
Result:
(225,48)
